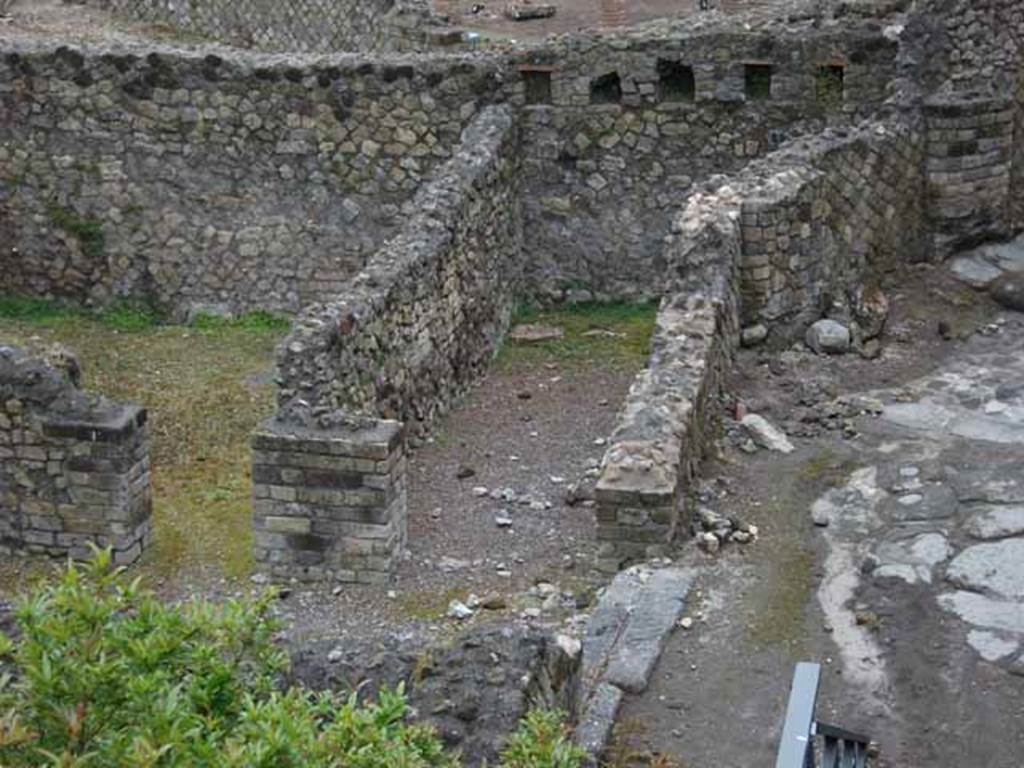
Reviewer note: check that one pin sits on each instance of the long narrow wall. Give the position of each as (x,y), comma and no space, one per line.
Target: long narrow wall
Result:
(229,179)
(322,26)
(74,468)
(385,357)
(777,243)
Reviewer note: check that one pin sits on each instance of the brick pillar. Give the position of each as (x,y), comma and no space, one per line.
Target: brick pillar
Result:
(70,482)
(329,504)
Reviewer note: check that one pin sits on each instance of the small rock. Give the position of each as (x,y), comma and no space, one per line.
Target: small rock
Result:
(459,610)
(534,333)
(335,655)
(493,602)
(464,471)
(686,622)
(480,491)
(753,335)
(1008,290)
(503,521)
(828,337)
(765,434)
(708,542)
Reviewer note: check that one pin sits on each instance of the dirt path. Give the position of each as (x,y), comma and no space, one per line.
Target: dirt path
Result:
(917,621)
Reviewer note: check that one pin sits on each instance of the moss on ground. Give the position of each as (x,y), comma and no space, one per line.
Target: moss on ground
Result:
(206,387)
(614,333)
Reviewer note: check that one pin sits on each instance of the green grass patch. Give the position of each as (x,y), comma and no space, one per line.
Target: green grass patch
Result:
(206,389)
(826,470)
(613,333)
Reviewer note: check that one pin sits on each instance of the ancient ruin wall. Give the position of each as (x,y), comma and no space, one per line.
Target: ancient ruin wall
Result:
(74,468)
(192,180)
(425,316)
(607,162)
(777,243)
(322,26)
(409,334)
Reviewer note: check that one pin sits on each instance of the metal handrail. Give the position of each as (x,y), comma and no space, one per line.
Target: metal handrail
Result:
(840,748)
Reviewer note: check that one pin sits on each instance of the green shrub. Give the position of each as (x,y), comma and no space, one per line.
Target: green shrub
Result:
(106,675)
(541,742)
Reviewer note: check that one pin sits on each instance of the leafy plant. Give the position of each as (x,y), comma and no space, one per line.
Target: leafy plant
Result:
(541,742)
(106,675)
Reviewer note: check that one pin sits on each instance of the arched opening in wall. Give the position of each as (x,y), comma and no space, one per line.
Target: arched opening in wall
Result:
(536,84)
(607,89)
(675,81)
(829,85)
(757,81)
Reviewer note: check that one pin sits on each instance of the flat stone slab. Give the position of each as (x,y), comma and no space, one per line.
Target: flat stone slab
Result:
(996,567)
(982,611)
(532,333)
(974,270)
(912,560)
(996,522)
(990,646)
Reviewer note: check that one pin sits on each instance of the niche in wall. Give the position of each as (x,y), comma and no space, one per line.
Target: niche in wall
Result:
(757,81)
(675,81)
(607,89)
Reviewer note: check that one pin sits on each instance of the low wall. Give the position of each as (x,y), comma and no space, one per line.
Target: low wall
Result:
(774,244)
(74,468)
(407,337)
(322,26)
(213,178)
(423,319)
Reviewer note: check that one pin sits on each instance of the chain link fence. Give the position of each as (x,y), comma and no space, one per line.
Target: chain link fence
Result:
(319,26)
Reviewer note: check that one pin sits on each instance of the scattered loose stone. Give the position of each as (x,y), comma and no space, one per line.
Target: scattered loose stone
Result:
(480,490)
(534,333)
(1008,290)
(503,521)
(765,434)
(828,337)
(459,610)
(753,335)
(464,471)
(686,622)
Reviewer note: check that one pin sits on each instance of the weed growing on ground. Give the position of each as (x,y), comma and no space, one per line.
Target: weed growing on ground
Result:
(206,386)
(614,333)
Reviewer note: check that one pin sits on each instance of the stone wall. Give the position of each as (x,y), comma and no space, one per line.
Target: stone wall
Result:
(323,26)
(778,243)
(824,215)
(424,317)
(971,154)
(188,180)
(74,468)
(982,42)
(618,131)
(408,336)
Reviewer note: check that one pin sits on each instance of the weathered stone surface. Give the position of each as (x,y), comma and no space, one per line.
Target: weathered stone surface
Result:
(1008,290)
(996,522)
(532,333)
(828,337)
(996,568)
(766,434)
(990,646)
(982,611)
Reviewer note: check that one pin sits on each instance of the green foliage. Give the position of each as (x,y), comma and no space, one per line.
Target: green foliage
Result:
(106,675)
(88,232)
(129,317)
(258,321)
(541,742)
(610,332)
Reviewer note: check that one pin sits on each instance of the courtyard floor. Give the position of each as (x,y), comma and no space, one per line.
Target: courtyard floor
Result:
(890,551)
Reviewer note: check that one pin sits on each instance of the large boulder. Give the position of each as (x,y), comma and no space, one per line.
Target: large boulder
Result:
(828,337)
(1008,290)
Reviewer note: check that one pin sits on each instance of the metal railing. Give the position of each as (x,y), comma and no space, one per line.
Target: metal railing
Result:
(840,748)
